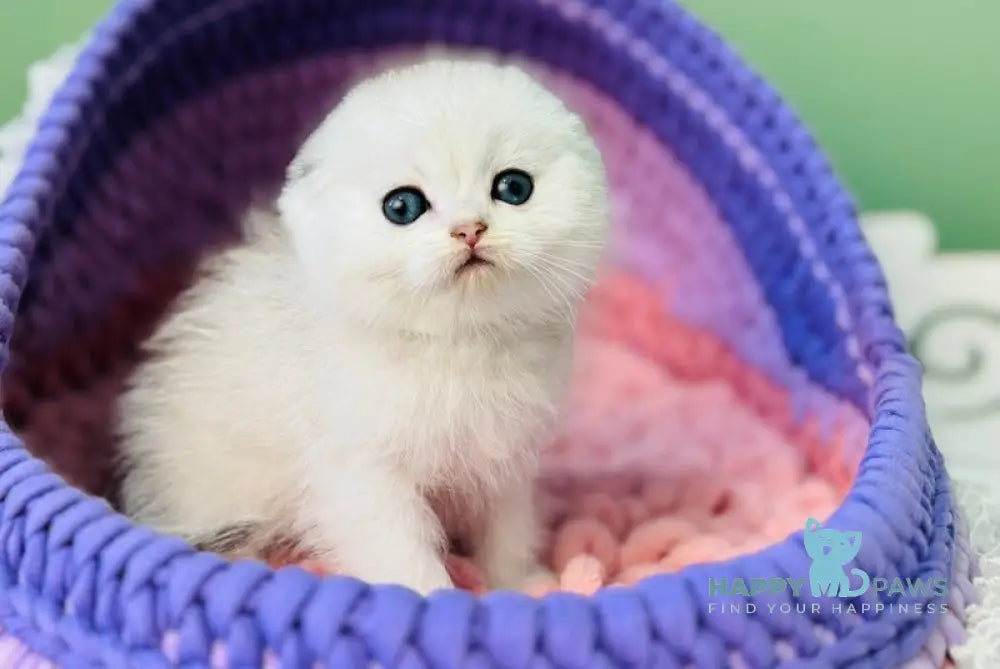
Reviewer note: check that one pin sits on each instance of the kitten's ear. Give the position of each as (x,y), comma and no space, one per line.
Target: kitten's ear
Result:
(300,168)
(812,524)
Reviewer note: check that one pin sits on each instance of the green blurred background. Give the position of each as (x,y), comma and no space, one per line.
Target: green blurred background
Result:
(903,94)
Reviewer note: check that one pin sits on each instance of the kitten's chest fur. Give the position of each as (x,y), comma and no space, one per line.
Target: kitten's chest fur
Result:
(457,412)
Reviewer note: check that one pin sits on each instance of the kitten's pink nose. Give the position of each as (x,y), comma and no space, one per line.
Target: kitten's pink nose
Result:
(470,233)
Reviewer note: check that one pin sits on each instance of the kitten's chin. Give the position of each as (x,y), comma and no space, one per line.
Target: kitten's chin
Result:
(476,276)
(476,263)
(473,265)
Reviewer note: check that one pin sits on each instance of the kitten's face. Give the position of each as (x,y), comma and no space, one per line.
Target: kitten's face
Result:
(384,198)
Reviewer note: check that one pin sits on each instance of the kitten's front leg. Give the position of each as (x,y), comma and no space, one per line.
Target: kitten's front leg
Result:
(506,549)
(373,524)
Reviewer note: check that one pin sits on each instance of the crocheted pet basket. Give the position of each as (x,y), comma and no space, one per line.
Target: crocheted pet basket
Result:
(739,370)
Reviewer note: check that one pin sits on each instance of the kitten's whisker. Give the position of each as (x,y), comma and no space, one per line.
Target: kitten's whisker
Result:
(565,264)
(559,294)
(574,291)
(566,261)
(541,279)
(552,262)
(582,244)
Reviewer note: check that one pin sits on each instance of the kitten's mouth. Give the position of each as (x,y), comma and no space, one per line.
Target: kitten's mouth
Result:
(472,263)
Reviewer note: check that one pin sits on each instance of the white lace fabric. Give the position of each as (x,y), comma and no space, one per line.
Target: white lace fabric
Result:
(981,504)
(922,281)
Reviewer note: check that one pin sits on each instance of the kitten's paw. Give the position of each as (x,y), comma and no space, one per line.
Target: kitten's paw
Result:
(520,577)
(540,574)
(422,578)
(540,579)
(427,586)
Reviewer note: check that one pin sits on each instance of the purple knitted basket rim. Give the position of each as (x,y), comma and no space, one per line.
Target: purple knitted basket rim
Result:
(81,585)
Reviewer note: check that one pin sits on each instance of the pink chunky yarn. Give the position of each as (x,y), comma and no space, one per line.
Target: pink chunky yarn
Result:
(672,452)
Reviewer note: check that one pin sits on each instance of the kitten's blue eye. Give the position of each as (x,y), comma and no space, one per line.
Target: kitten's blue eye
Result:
(404,205)
(513,187)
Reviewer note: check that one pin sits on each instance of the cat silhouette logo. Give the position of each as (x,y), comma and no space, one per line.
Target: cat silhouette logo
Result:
(830,550)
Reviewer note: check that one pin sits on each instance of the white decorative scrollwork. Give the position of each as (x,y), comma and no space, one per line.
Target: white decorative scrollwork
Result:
(949,306)
(959,346)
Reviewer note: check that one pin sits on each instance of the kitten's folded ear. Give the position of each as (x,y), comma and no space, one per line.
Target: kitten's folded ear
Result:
(299,168)
(812,524)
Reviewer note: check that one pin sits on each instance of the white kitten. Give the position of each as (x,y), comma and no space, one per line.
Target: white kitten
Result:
(381,362)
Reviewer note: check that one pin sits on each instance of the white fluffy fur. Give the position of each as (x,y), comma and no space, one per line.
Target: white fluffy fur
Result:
(334,377)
